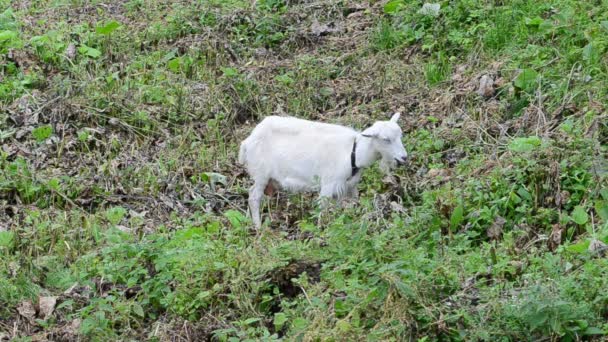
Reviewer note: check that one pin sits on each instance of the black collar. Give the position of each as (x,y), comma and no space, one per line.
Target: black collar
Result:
(353,159)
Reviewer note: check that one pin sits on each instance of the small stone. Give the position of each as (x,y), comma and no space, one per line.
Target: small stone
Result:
(70,52)
(486,86)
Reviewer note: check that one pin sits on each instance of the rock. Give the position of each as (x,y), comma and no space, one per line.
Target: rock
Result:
(486,86)
(261,52)
(47,306)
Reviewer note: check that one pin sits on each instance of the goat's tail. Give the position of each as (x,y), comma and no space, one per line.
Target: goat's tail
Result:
(243,152)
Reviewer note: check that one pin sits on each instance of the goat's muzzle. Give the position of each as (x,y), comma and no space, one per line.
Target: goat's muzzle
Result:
(401,160)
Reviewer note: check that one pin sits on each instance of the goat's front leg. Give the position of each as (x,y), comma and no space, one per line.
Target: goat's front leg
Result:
(256,193)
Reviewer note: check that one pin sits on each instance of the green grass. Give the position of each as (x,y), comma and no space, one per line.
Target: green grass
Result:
(120,194)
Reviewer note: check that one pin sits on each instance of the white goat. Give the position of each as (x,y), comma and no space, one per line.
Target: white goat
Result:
(301,155)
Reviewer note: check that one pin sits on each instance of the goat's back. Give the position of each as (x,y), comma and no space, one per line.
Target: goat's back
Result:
(288,125)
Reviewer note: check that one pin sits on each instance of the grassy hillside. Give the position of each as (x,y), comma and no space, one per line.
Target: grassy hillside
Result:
(123,211)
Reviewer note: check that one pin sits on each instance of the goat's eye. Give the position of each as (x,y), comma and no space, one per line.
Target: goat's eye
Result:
(386,140)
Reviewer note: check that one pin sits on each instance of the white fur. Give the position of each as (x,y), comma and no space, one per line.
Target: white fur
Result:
(301,155)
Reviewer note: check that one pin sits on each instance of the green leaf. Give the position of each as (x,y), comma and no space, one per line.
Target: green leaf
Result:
(523,193)
(42,133)
(107,28)
(579,215)
(7,20)
(138,310)
(590,53)
(89,51)
(343,325)
(536,21)
(438,144)
(189,234)
(604,24)
(594,331)
(65,304)
(115,214)
(230,72)
(580,247)
(393,6)
(8,35)
(526,80)
(203,295)
(279,320)
(457,217)
(236,218)
(299,324)
(250,321)
(6,239)
(526,144)
(601,208)
(537,319)
(326,91)
(54,184)
(174,64)
(604,194)
(546,27)
(285,79)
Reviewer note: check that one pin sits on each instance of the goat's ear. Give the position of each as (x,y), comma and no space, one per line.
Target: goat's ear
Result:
(395,117)
(371,132)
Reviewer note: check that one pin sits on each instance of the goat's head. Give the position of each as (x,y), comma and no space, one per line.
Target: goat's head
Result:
(386,140)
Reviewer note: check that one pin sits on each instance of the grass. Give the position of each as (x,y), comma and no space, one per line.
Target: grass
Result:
(121,201)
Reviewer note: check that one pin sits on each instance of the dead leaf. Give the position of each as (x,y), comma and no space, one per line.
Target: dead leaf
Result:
(70,290)
(322,29)
(518,266)
(562,198)
(123,229)
(47,306)
(555,239)
(75,326)
(396,207)
(27,310)
(495,231)
(598,247)
(433,173)
(438,176)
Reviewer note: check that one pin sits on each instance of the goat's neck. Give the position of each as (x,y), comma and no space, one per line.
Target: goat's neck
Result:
(365,154)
